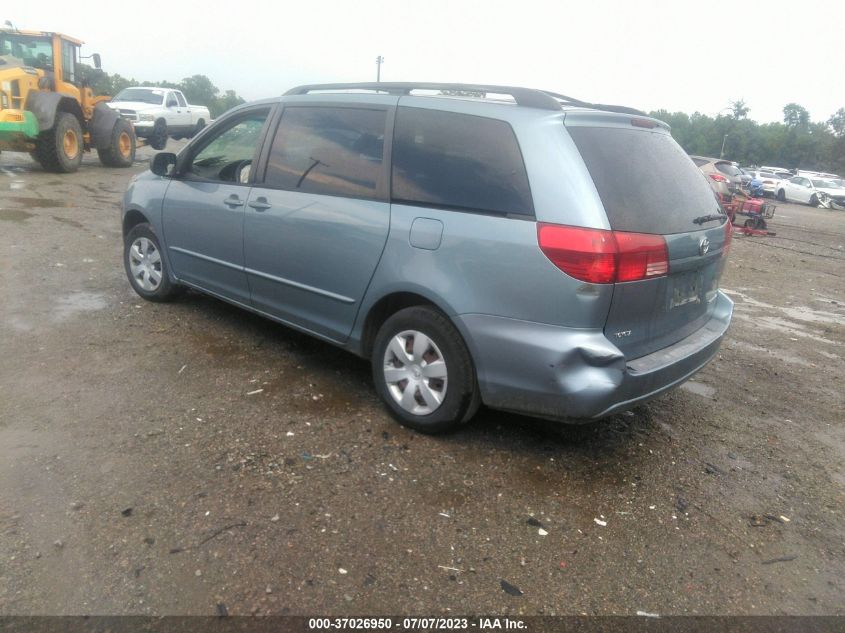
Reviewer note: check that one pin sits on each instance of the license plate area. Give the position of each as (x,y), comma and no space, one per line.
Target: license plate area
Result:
(686,289)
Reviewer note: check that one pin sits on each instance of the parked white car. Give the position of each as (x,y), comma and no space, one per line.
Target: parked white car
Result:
(159,113)
(769,180)
(813,191)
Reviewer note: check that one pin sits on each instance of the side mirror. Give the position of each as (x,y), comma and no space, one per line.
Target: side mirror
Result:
(98,63)
(162,164)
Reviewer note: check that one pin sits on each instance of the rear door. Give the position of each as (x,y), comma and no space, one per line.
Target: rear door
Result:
(317,221)
(648,184)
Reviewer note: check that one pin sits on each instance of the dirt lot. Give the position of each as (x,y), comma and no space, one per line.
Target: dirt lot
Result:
(137,474)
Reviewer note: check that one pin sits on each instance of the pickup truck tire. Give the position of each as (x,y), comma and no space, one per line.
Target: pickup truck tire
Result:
(121,149)
(59,149)
(158,139)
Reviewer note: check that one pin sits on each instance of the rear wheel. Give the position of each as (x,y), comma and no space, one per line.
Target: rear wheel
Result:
(423,371)
(121,149)
(198,128)
(781,195)
(59,149)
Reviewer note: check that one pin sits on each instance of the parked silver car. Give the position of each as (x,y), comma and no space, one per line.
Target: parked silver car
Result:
(720,171)
(540,255)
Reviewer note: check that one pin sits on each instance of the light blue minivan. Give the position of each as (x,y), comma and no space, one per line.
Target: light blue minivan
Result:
(480,244)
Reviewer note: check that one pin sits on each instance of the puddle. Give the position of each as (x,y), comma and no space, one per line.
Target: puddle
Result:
(699,388)
(68,221)
(17,184)
(77,303)
(42,203)
(14,215)
(782,325)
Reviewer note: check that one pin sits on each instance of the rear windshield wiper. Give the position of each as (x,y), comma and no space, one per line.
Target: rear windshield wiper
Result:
(708,218)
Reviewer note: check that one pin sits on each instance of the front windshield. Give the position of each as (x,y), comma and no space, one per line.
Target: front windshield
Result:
(144,95)
(32,51)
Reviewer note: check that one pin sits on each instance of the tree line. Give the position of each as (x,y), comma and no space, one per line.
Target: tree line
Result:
(796,143)
(198,89)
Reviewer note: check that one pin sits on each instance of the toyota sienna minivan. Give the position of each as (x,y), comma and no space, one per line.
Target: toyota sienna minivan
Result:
(511,247)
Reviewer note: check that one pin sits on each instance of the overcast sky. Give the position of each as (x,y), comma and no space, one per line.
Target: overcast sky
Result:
(681,55)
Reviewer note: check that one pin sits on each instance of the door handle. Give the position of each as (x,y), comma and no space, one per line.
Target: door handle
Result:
(260,204)
(233,201)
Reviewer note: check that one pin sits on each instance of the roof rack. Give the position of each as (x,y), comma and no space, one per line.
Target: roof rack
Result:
(526,97)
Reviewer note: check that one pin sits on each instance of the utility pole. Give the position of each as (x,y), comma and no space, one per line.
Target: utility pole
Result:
(379,62)
(722,153)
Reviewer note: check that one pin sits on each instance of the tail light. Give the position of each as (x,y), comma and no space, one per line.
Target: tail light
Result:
(603,257)
(729,234)
(718,177)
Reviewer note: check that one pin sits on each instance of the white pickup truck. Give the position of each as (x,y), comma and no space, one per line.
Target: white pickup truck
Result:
(159,113)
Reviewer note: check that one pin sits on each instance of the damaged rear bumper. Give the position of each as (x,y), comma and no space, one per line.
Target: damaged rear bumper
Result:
(563,373)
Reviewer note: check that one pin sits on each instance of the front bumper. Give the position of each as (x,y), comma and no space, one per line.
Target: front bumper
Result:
(18,130)
(143,128)
(563,373)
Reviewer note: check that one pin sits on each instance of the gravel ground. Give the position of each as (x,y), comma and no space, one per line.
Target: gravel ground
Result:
(138,476)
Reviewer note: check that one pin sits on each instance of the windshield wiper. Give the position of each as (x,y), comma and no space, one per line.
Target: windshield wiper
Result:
(708,218)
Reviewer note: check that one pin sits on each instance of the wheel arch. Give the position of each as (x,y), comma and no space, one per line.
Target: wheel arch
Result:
(46,105)
(389,304)
(133,218)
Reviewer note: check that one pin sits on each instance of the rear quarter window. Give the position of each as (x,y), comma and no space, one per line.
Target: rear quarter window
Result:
(458,161)
(646,182)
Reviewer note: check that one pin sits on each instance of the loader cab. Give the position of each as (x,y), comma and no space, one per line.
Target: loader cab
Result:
(55,54)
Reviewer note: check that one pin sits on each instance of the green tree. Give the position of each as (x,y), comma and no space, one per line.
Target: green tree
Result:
(740,110)
(199,90)
(837,122)
(795,115)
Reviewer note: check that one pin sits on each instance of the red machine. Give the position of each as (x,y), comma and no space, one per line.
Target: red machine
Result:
(756,210)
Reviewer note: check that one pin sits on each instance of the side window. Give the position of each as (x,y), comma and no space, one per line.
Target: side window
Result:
(700,161)
(329,151)
(171,100)
(68,62)
(180,99)
(460,161)
(228,156)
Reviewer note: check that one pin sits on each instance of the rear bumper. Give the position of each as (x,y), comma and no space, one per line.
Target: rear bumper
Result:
(554,372)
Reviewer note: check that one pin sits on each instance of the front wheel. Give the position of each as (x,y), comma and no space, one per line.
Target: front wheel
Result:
(158,139)
(59,149)
(781,195)
(145,266)
(121,149)
(814,201)
(423,371)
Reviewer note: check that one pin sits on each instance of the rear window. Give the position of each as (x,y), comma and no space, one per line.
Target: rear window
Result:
(646,182)
(458,161)
(727,169)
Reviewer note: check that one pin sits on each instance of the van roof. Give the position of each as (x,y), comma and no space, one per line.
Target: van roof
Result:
(525,97)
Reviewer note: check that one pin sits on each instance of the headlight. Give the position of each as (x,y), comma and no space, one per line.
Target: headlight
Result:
(146,117)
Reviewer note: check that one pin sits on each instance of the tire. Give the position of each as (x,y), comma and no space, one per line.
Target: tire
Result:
(60,148)
(200,125)
(781,195)
(121,149)
(814,201)
(145,267)
(158,139)
(452,393)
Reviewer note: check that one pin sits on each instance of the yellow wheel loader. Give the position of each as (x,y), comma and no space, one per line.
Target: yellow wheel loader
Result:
(47,109)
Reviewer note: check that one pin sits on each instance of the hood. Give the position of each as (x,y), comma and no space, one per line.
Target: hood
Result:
(138,106)
(832,191)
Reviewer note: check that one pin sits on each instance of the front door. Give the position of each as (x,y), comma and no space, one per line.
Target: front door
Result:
(317,224)
(203,211)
